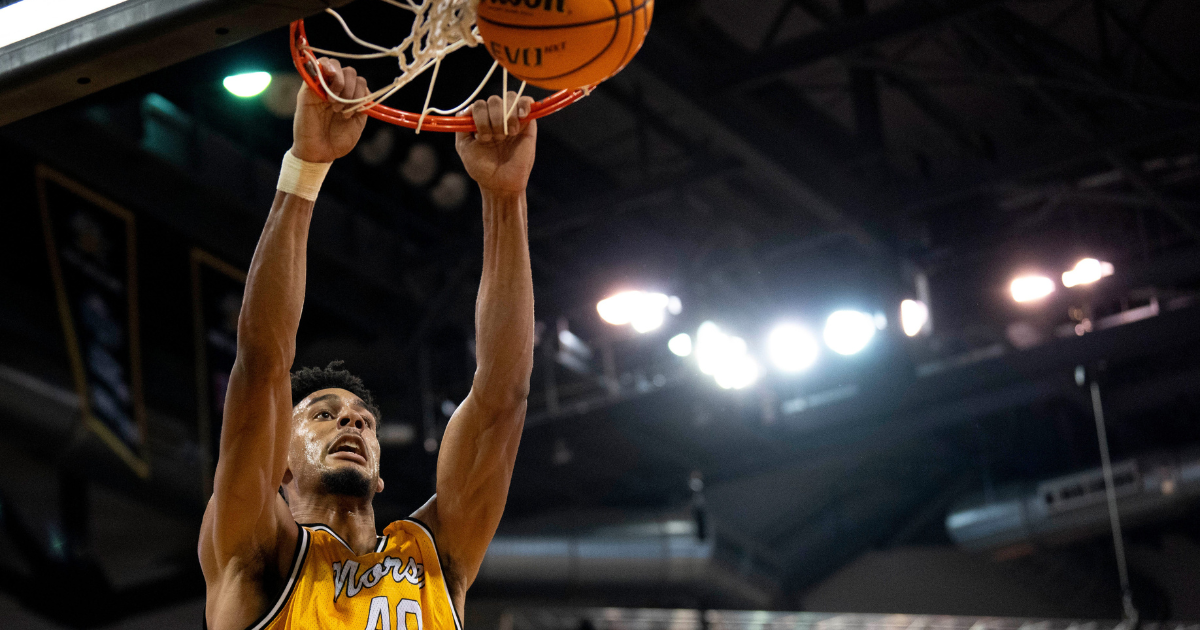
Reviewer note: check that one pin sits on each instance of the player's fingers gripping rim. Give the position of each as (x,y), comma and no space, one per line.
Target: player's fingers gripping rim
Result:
(483,121)
(350,81)
(360,91)
(462,137)
(333,78)
(523,105)
(495,108)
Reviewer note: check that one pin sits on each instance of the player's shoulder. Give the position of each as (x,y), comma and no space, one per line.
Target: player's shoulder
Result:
(248,588)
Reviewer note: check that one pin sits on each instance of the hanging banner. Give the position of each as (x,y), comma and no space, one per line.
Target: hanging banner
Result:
(92,243)
(217,289)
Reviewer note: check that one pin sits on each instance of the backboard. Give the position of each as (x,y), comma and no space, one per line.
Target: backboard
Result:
(100,43)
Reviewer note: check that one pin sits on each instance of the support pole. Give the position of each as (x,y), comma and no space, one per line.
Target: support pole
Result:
(1114,517)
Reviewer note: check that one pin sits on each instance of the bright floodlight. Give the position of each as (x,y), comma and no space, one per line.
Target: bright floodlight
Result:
(247,84)
(680,345)
(1029,288)
(1086,271)
(644,311)
(792,348)
(724,357)
(848,332)
(914,314)
(739,373)
(711,342)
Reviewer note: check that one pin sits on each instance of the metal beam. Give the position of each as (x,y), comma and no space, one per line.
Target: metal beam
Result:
(611,206)
(900,19)
(1155,57)
(984,180)
(1062,57)
(864,89)
(670,75)
(966,135)
(635,101)
(815,8)
(1003,52)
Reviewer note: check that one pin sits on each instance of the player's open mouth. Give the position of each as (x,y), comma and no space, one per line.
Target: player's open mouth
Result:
(350,448)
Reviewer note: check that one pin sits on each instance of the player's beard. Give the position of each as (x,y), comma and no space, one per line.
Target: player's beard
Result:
(346,482)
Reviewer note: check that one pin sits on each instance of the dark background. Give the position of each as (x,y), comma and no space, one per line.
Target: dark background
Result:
(760,160)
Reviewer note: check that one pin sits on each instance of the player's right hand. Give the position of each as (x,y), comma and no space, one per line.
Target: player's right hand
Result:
(324,130)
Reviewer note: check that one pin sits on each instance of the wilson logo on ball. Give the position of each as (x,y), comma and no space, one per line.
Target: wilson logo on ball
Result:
(558,45)
(548,5)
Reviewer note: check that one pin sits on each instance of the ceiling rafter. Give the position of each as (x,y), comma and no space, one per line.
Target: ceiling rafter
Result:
(995,42)
(900,19)
(675,55)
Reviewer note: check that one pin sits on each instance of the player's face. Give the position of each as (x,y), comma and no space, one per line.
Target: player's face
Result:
(334,437)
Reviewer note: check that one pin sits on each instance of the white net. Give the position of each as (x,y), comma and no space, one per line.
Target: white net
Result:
(439,28)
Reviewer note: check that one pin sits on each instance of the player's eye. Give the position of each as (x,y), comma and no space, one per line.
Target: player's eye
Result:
(324,414)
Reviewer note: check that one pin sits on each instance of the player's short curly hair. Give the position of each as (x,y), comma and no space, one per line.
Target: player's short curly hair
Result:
(313,379)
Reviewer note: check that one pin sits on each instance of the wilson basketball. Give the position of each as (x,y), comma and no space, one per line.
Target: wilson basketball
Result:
(564,44)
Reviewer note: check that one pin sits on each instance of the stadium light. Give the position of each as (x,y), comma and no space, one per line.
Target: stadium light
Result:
(724,357)
(247,84)
(1030,288)
(644,311)
(740,373)
(680,345)
(792,348)
(848,332)
(1086,271)
(914,314)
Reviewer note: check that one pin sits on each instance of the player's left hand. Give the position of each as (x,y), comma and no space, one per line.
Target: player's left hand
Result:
(499,161)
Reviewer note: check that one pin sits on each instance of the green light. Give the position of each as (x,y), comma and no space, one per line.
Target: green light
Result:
(247,84)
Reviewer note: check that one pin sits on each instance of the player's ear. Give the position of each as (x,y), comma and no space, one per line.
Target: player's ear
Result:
(378,485)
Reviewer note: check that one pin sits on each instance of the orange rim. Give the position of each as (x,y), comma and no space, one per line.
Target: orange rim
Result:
(544,107)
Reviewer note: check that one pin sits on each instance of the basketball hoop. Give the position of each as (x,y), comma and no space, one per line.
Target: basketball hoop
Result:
(440,27)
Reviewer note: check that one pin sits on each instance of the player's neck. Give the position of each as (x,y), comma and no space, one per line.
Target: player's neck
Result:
(351,518)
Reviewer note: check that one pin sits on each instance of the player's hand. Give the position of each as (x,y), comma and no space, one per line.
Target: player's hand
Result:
(499,162)
(324,131)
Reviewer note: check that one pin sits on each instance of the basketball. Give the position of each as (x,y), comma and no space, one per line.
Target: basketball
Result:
(564,44)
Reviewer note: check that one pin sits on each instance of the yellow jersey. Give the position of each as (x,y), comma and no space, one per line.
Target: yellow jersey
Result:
(399,586)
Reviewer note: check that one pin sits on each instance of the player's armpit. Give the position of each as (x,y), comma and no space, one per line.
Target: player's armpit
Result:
(235,594)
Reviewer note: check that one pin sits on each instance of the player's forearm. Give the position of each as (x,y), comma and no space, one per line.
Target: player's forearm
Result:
(504,311)
(274,294)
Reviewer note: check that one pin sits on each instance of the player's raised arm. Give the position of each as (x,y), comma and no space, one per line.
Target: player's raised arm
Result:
(480,446)
(247,529)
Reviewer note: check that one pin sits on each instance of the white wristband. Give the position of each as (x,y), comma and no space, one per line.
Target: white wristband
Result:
(301,178)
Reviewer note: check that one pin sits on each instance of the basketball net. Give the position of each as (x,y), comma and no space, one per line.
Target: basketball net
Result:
(439,28)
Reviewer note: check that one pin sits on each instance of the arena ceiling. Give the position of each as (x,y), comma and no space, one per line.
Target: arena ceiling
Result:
(756,159)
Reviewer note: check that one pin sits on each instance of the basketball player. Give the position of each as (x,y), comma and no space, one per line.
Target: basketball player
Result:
(288,539)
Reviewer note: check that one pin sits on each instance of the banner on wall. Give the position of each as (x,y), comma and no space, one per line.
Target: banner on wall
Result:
(91,243)
(217,289)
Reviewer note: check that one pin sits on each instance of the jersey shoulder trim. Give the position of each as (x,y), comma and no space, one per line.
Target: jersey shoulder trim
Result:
(293,575)
(437,556)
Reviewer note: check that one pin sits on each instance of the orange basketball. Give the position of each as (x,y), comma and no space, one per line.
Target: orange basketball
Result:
(564,44)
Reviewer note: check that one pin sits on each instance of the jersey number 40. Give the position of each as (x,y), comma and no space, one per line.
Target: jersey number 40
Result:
(381,614)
